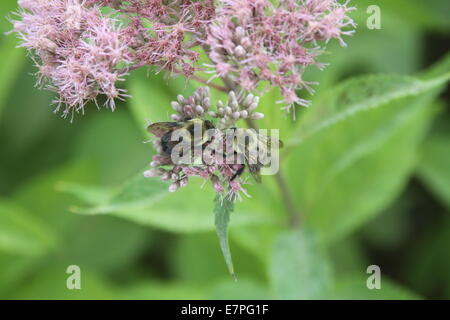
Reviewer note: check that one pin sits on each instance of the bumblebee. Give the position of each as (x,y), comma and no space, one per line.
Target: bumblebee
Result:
(165,130)
(255,148)
(247,144)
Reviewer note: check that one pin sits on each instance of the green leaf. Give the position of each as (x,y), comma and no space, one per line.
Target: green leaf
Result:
(356,147)
(360,95)
(355,288)
(434,165)
(256,238)
(195,258)
(347,256)
(21,233)
(147,201)
(138,193)
(299,268)
(120,139)
(222,211)
(105,244)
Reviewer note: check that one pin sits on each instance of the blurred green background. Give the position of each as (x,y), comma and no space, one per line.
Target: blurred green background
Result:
(373,188)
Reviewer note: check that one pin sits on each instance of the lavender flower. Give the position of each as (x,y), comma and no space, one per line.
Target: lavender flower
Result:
(76,49)
(163,33)
(253,41)
(253,44)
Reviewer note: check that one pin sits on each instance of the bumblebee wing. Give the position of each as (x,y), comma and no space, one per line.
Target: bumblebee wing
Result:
(254,171)
(160,128)
(267,141)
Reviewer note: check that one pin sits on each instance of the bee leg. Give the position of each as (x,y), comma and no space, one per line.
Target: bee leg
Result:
(238,173)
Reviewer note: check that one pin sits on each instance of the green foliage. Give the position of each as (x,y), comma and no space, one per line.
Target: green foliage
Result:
(20,232)
(147,202)
(24,239)
(299,268)
(9,53)
(434,168)
(360,140)
(431,254)
(367,165)
(222,211)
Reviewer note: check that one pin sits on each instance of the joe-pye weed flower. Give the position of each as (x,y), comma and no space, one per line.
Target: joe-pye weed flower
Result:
(81,52)
(84,48)
(255,42)
(76,49)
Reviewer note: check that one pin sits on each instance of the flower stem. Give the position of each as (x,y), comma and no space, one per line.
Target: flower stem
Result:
(193,77)
(209,84)
(294,214)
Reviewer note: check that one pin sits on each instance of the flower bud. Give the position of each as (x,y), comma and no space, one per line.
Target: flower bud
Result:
(180,99)
(174,187)
(244,114)
(252,107)
(248,100)
(246,43)
(206,103)
(176,106)
(199,109)
(239,51)
(240,33)
(165,176)
(188,110)
(257,116)
(153,173)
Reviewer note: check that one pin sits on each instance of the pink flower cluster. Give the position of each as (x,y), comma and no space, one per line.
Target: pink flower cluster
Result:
(255,41)
(163,33)
(82,52)
(77,50)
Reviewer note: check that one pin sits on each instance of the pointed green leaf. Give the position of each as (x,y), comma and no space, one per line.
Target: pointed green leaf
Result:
(138,193)
(148,202)
(222,211)
(356,148)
